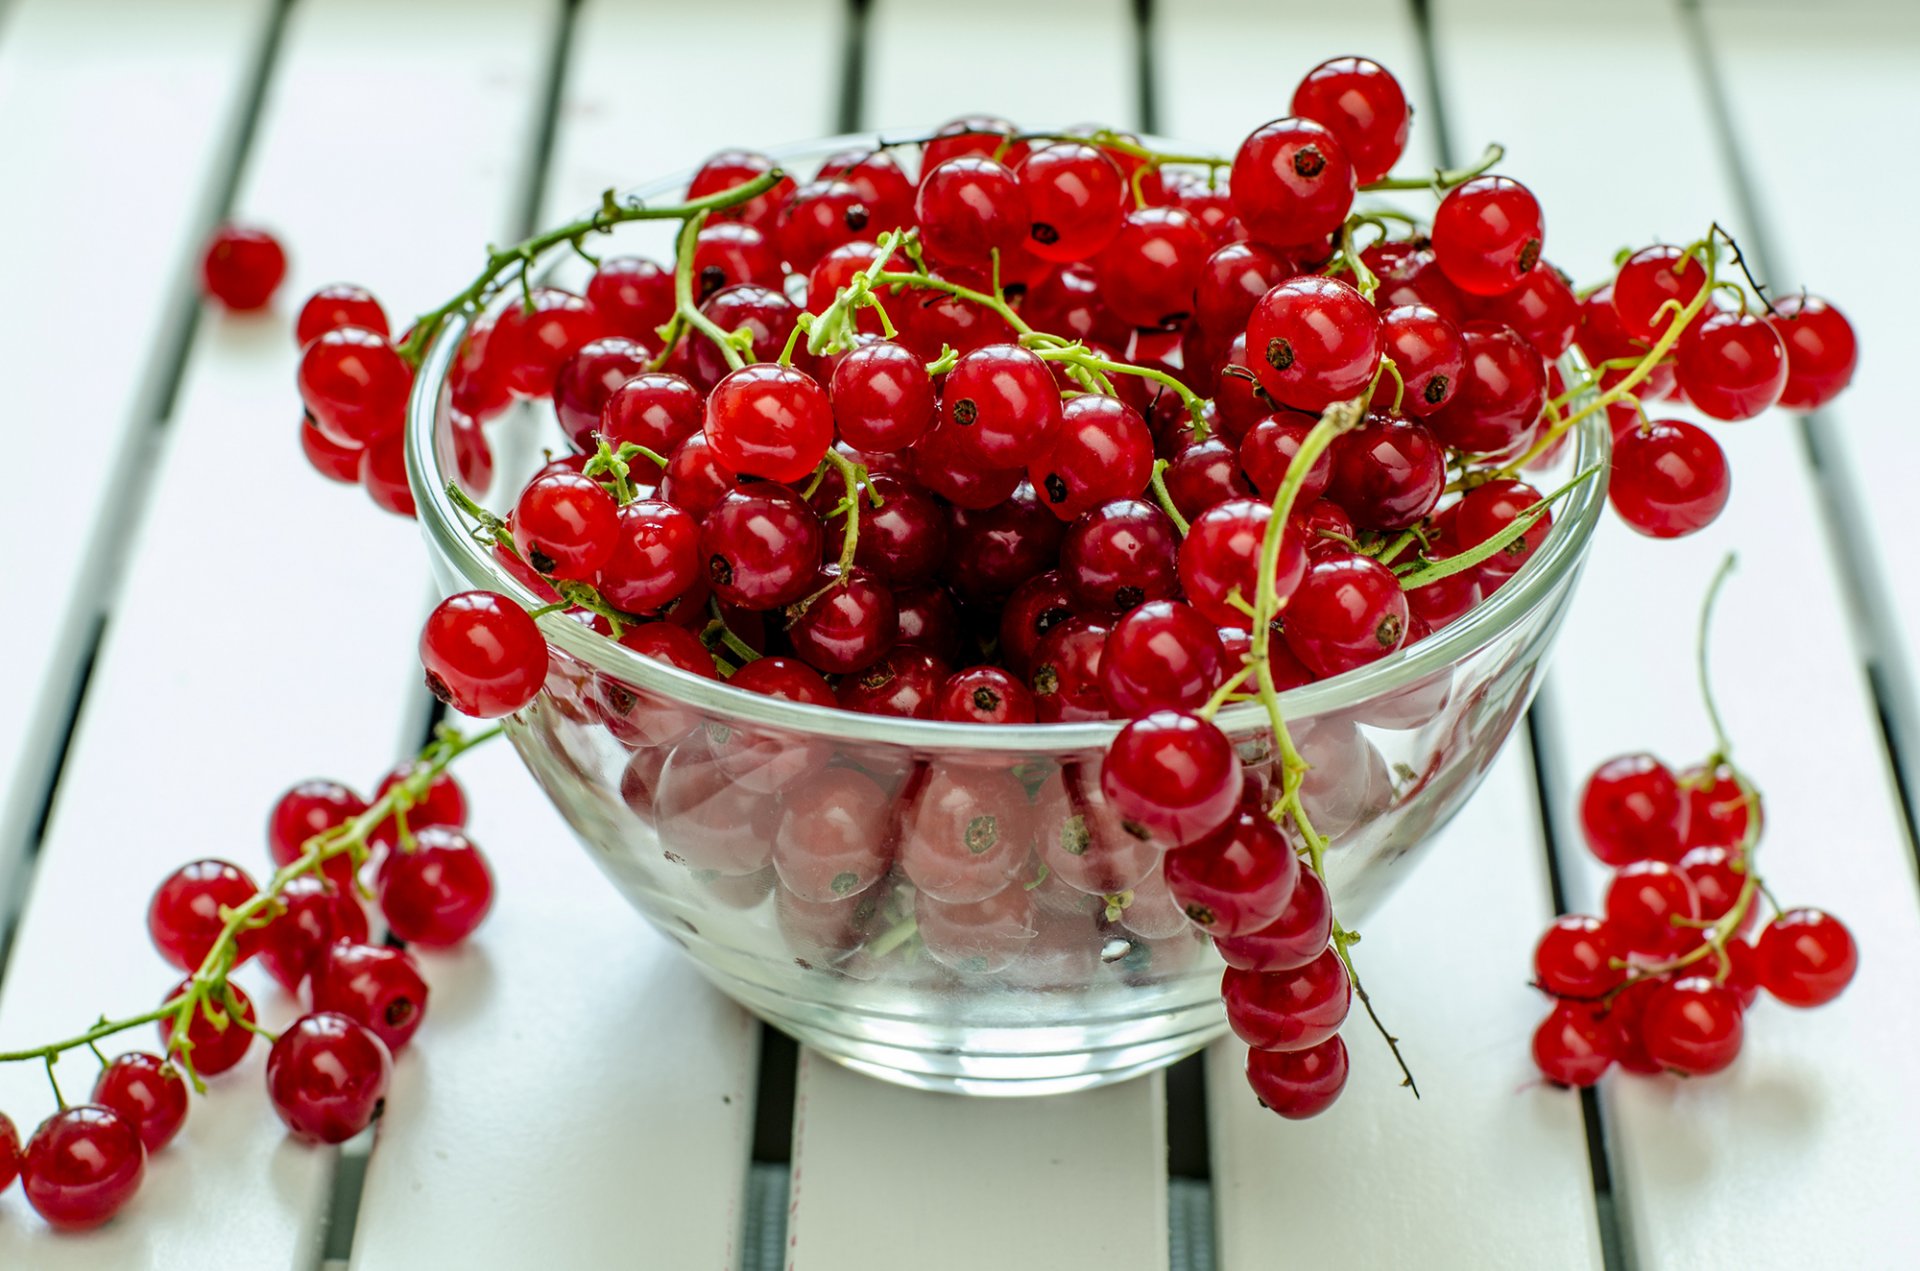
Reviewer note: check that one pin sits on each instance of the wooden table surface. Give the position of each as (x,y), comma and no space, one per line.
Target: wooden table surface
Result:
(198,621)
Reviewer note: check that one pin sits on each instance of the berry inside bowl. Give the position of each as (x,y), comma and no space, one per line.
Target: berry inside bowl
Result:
(952,906)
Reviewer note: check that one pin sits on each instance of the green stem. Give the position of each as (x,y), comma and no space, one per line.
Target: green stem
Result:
(1443,179)
(1434,571)
(1159,483)
(1722,748)
(1077,354)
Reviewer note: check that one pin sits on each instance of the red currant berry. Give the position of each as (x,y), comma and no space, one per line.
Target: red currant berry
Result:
(1719,812)
(846,628)
(211,1047)
(1503,385)
(761,543)
(1428,351)
(1314,341)
(832,840)
(355,385)
(311,808)
(185,917)
(1644,900)
(1692,1026)
(980,937)
(993,551)
(533,343)
(81,1167)
(1231,280)
(438,893)
(483,655)
(1120,555)
(654,409)
(1542,310)
(1293,183)
(1575,958)
(1573,1045)
(313,914)
(879,181)
(1205,474)
(1075,197)
(694,477)
(1176,776)
(1101,451)
(904,540)
(327,1077)
(383,471)
(1147,274)
(376,987)
(1408,274)
(1299,1084)
(444,803)
(1487,235)
(1288,1010)
(1718,875)
(566,525)
(655,561)
(985,695)
(1653,285)
(883,399)
(1220,560)
(330,459)
(768,420)
(1267,451)
(732,254)
(339,305)
(973,135)
(633,296)
(968,208)
(9,1152)
(146,1091)
(965,833)
(243,267)
(1348,611)
(1236,880)
(731,169)
(1001,406)
(1821,350)
(1161,655)
(1669,478)
(1035,608)
(1295,938)
(1731,365)
(820,216)
(1387,474)
(1487,510)
(1364,106)
(940,462)
(1806,957)
(588,378)
(905,684)
(930,619)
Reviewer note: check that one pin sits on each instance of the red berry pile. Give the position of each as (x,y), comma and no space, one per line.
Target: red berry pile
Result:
(1046,433)
(327,1072)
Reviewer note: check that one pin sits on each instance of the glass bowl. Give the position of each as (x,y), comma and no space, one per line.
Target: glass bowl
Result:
(684,789)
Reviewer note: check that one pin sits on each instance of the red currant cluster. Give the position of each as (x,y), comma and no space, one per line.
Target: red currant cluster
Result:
(327,1073)
(1663,981)
(1062,428)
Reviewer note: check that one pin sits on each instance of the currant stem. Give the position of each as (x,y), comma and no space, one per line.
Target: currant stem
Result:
(1722,747)
(1077,354)
(1442,179)
(852,475)
(611,212)
(1433,571)
(1158,482)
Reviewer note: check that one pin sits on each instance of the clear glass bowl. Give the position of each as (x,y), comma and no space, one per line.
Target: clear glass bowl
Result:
(678,785)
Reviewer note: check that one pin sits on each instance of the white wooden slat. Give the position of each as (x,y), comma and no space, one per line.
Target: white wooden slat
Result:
(585,1053)
(1478,1143)
(267,621)
(146,104)
(1063,1181)
(1701,1167)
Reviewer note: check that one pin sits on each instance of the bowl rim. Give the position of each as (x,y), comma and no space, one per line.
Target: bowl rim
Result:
(1558,558)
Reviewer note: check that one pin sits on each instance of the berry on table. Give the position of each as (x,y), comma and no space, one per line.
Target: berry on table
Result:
(1806,957)
(188,912)
(327,1077)
(82,1166)
(147,1092)
(376,987)
(436,894)
(243,267)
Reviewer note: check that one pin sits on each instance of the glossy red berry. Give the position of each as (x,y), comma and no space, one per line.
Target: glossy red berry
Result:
(968,208)
(1176,776)
(730,254)
(376,987)
(904,684)
(146,1091)
(81,1167)
(330,459)
(904,540)
(444,803)
(1231,280)
(1669,478)
(973,135)
(633,296)
(1806,957)
(383,472)
(533,343)
(212,1046)
(1731,365)
(588,378)
(185,917)
(9,1152)
(1288,1010)
(1268,449)
(1314,341)
(243,267)
(354,385)
(1147,273)
(307,809)
(1503,385)
(985,695)
(1719,812)
(761,544)
(1428,351)
(1236,880)
(1542,310)
(1387,474)
(820,216)
(883,399)
(1642,903)
(848,626)
(1632,810)
(483,655)
(1408,274)
(1487,510)
(1119,555)
(438,893)
(1065,672)
(731,169)
(1364,106)
(1161,655)
(832,841)
(1074,196)
(1295,938)
(769,420)
(1002,406)
(880,182)
(1574,1044)
(327,1077)
(1348,611)
(656,558)
(1205,474)
(565,525)
(694,477)
(1299,1084)
(339,305)
(1821,350)
(965,832)
(1101,451)
(1575,958)
(314,912)
(1219,560)
(1487,235)
(1292,182)
(655,409)
(1692,1026)
(1651,288)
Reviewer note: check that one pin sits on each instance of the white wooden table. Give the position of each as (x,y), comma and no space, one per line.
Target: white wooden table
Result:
(195,621)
